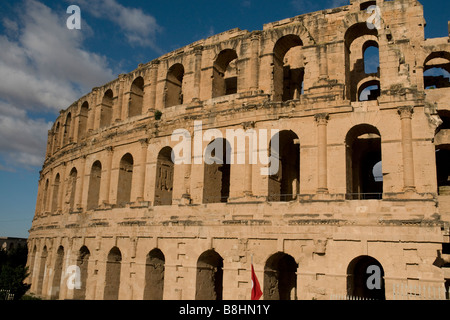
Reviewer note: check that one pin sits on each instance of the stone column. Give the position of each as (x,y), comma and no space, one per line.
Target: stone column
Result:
(80,185)
(141,169)
(406,113)
(92,110)
(153,81)
(106,177)
(323,62)
(117,112)
(254,43)
(322,165)
(187,167)
(198,51)
(248,178)
(62,184)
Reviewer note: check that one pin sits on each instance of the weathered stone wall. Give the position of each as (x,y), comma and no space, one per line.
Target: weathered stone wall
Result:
(300,76)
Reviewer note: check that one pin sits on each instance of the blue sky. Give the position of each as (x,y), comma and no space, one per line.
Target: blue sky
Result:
(44,67)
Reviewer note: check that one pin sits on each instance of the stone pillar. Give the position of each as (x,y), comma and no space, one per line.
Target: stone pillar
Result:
(248,178)
(92,110)
(80,185)
(62,184)
(106,178)
(49,143)
(141,169)
(406,113)
(323,62)
(153,81)
(198,51)
(254,45)
(322,166)
(117,112)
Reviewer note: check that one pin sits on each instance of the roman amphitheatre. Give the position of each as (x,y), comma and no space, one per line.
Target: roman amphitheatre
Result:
(362,180)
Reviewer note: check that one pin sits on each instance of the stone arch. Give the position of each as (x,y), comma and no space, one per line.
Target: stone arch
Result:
(354,58)
(164,177)
(216,179)
(363,152)
(83,120)
(135,105)
(83,264)
(225,73)
(280,278)
(72,187)
(209,280)
(67,134)
(125,180)
(55,193)
(112,277)
(106,110)
(42,270)
(56,283)
(288,76)
(95,178)
(368,89)
(437,70)
(284,185)
(154,275)
(361,280)
(173,92)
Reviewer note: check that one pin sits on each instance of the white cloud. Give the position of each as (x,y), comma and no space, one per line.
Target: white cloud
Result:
(138,27)
(44,68)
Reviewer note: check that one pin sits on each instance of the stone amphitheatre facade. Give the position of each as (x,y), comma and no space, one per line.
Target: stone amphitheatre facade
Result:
(112,202)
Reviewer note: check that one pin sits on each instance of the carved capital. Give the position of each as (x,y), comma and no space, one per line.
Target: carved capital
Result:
(405,112)
(143,142)
(322,118)
(248,125)
(109,149)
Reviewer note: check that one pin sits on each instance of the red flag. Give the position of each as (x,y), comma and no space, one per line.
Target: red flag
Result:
(256,289)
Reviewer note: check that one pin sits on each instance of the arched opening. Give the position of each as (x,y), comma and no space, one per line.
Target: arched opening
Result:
(284,185)
(280,277)
(363,153)
(437,70)
(82,120)
(209,281)
(164,178)
(365,278)
(42,270)
(216,180)
(112,277)
(136,97)
(369,91)
(106,109)
(56,133)
(225,75)
(55,195)
(442,145)
(94,185)
(57,273)
(361,57)
(174,86)
(67,137)
(288,68)
(82,263)
(154,275)
(125,180)
(72,187)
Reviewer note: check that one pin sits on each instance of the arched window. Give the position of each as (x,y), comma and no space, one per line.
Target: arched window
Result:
(94,185)
(125,180)
(437,70)
(361,58)
(112,277)
(225,76)
(154,275)
(83,117)
(67,129)
(82,263)
(209,280)
(174,86)
(136,97)
(57,273)
(284,185)
(288,68)
(280,278)
(359,285)
(164,178)
(216,180)
(369,91)
(106,109)
(55,195)
(72,187)
(363,153)
(41,274)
